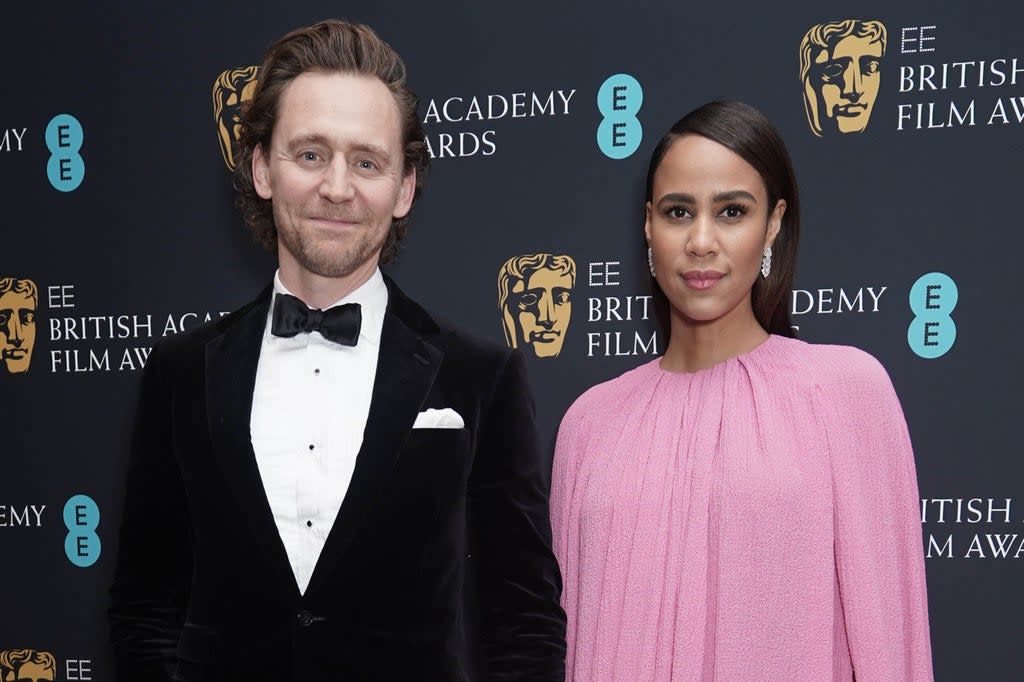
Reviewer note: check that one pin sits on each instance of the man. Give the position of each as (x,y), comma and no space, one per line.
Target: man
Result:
(534,297)
(353,494)
(18,301)
(839,70)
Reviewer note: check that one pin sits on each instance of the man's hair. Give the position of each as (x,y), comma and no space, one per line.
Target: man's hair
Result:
(745,131)
(825,37)
(520,268)
(19,286)
(12,660)
(332,46)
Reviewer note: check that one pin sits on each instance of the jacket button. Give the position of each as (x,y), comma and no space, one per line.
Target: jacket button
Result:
(305,618)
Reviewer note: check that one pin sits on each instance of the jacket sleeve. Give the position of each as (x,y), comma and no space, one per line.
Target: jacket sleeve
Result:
(878,538)
(521,622)
(153,570)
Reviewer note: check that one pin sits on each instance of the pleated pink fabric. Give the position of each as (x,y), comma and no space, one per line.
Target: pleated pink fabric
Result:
(757,520)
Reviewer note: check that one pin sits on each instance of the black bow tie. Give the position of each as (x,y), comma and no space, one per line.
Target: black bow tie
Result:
(339,324)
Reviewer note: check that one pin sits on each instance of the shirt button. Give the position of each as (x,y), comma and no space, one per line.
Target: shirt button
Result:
(305,618)
(311,446)
(316,371)
(309,524)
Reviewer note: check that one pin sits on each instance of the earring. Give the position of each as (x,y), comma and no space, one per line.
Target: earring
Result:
(766,263)
(650,262)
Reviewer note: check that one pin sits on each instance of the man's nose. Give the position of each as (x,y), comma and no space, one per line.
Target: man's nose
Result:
(336,185)
(15,334)
(546,311)
(852,85)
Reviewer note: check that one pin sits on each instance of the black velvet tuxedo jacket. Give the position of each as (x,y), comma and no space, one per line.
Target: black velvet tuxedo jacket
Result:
(438,566)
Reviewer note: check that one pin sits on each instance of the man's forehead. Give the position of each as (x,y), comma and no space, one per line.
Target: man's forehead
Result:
(850,46)
(9,298)
(548,277)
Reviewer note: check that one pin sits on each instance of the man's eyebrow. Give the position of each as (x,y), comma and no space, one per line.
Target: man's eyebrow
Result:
(302,140)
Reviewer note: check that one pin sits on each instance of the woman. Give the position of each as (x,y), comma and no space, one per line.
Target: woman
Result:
(745,506)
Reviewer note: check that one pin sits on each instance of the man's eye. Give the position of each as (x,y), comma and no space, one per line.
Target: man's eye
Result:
(833,71)
(309,157)
(5,317)
(366,164)
(528,299)
(563,298)
(27,316)
(871,67)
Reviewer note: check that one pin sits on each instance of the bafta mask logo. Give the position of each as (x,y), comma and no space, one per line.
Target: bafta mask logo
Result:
(535,300)
(231,88)
(839,70)
(27,665)
(18,301)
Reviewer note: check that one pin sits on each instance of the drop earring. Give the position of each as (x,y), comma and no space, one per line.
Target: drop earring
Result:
(766,263)
(650,262)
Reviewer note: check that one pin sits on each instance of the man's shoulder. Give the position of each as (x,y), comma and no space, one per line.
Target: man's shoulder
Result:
(195,339)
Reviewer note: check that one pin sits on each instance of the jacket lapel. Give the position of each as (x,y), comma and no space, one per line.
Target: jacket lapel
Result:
(407,365)
(231,362)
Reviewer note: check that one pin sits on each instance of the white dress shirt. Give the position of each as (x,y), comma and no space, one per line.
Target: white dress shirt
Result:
(309,411)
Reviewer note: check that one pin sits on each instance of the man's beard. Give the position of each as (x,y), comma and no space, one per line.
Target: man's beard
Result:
(334,258)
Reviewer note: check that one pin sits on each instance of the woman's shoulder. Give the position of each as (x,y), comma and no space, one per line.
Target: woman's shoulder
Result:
(836,367)
(607,396)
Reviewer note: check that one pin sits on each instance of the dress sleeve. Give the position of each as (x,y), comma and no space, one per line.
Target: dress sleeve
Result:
(878,538)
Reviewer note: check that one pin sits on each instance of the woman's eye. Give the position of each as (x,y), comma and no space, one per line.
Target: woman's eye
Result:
(677,212)
(734,212)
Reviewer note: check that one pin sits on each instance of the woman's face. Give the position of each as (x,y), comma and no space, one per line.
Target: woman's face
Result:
(708,224)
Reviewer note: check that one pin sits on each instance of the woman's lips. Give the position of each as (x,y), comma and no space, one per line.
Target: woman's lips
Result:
(702,279)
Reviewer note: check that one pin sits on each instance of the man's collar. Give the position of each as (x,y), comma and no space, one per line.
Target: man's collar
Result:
(371,295)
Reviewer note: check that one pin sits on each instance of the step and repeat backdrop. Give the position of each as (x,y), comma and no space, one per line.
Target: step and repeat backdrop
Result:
(906,125)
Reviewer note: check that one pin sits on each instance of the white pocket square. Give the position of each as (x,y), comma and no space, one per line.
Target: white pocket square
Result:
(446,418)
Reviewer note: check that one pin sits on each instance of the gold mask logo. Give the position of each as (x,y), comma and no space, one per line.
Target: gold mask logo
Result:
(839,71)
(27,665)
(232,87)
(535,300)
(19,299)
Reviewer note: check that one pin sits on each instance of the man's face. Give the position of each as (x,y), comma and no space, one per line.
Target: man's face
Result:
(334,173)
(541,307)
(17,330)
(229,123)
(846,83)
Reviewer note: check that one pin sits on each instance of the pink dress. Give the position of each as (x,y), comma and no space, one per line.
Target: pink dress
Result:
(757,520)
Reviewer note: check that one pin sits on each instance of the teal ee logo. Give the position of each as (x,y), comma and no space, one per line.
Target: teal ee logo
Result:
(619,101)
(66,168)
(81,517)
(932,298)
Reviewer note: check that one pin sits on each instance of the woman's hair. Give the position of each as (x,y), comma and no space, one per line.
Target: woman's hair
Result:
(744,130)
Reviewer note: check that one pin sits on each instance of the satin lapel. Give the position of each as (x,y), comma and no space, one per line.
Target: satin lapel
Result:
(406,368)
(231,361)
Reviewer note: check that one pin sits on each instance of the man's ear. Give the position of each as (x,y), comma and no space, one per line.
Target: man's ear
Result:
(405,194)
(261,173)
